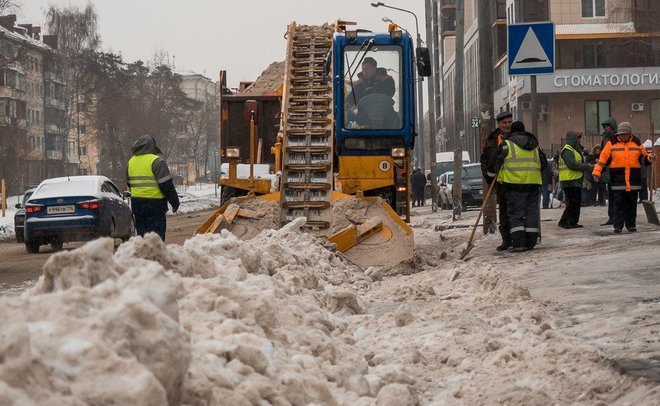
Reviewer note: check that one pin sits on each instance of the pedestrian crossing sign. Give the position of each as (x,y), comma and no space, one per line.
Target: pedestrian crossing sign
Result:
(531,48)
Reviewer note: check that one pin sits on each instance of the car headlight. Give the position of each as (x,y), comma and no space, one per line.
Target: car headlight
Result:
(398,152)
(465,187)
(233,152)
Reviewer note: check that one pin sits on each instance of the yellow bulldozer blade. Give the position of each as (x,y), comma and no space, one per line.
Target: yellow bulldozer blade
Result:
(369,232)
(365,229)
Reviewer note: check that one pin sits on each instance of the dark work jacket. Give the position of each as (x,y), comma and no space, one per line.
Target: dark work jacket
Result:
(418,182)
(381,84)
(489,153)
(525,140)
(150,207)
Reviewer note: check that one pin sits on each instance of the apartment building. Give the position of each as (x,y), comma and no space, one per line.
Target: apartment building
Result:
(607,64)
(34,144)
(197,135)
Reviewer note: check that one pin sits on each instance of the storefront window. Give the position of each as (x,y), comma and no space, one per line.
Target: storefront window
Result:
(595,112)
(655,116)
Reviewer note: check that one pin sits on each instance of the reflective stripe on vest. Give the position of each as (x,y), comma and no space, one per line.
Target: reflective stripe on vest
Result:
(521,166)
(141,177)
(566,173)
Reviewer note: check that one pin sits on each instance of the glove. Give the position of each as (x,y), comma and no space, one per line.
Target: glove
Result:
(596,178)
(175,208)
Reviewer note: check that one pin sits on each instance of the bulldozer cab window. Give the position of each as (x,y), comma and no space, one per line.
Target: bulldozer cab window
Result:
(372,87)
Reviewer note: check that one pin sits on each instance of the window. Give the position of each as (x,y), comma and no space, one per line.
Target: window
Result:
(82,151)
(82,129)
(593,56)
(500,9)
(595,112)
(655,116)
(593,8)
(372,88)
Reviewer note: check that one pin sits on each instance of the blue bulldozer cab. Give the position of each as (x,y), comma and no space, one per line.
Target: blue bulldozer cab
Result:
(374,94)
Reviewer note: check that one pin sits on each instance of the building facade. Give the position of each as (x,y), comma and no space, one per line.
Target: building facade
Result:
(34,144)
(607,65)
(197,135)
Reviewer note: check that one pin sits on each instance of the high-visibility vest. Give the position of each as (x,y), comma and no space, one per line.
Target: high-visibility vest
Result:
(521,166)
(566,173)
(141,177)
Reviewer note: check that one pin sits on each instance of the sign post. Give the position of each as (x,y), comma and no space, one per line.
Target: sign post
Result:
(531,51)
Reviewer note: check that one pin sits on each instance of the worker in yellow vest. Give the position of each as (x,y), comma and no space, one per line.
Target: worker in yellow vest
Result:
(571,175)
(151,187)
(518,165)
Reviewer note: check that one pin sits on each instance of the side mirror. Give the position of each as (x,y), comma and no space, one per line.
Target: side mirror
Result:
(423,61)
(126,194)
(18,205)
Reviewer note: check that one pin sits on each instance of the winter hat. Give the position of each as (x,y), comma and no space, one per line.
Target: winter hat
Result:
(503,115)
(624,128)
(517,127)
(572,138)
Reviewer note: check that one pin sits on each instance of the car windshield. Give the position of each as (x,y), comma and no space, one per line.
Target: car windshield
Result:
(469,172)
(67,188)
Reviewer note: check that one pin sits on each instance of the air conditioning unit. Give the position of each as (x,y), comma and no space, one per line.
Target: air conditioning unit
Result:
(637,107)
(526,105)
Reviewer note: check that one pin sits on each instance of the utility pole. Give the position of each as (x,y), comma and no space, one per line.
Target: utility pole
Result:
(431,42)
(420,113)
(486,106)
(459,116)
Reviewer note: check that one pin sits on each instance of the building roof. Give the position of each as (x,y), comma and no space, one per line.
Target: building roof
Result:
(573,30)
(24,39)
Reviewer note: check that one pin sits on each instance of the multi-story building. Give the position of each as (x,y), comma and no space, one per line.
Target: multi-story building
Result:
(33,140)
(607,64)
(197,135)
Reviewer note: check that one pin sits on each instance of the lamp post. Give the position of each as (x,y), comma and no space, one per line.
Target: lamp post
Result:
(420,96)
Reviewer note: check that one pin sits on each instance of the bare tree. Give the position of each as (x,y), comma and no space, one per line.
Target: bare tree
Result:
(9,5)
(77,36)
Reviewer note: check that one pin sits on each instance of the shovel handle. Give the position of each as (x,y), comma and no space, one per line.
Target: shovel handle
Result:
(483,205)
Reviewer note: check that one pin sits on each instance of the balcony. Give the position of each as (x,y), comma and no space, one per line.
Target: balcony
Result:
(54,77)
(53,154)
(58,104)
(54,129)
(13,122)
(11,93)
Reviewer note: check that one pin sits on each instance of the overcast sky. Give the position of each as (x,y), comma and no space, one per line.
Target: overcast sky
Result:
(205,36)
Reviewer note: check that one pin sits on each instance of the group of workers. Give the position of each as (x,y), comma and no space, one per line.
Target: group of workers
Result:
(512,158)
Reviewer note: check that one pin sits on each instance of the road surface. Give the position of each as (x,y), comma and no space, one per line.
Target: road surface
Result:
(19,270)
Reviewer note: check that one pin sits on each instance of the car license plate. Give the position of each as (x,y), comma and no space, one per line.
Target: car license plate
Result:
(61,209)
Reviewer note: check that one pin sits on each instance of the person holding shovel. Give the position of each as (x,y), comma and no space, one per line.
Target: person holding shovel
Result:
(518,164)
(624,154)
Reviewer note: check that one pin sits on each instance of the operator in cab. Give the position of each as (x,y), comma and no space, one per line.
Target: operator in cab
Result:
(369,102)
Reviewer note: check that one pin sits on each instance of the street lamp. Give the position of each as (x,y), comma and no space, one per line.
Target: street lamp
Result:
(420,96)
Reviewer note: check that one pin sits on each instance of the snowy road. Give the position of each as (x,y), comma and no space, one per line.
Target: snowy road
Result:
(599,287)
(19,270)
(280,319)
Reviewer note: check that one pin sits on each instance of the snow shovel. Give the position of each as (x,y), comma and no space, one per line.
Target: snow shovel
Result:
(476,223)
(649,205)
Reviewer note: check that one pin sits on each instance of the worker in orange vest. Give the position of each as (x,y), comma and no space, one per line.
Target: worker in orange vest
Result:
(625,155)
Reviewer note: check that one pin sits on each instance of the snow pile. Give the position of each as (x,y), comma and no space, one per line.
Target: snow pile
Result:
(102,327)
(197,197)
(281,320)
(7,225)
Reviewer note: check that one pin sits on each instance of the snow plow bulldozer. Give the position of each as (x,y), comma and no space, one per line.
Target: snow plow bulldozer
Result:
(347,128)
